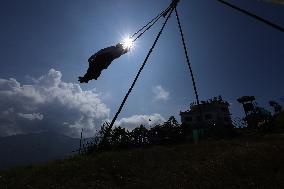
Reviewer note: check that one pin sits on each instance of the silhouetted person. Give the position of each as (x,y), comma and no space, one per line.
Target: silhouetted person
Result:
(101,60)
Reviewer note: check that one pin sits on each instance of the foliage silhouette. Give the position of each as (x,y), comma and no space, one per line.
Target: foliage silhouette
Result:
(276,106)
(171,132)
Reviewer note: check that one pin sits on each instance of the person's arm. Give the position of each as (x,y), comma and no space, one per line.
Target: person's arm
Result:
(126,50)
(119,52)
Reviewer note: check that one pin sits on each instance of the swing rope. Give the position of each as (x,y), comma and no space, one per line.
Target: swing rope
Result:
(167,13)
(151,23)
(136,78)
(188,62)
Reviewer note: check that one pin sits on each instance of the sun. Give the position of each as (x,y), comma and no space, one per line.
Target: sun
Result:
(127,43)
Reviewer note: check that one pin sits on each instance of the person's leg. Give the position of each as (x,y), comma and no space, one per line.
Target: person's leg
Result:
(88,76)
(98,67)
(94,70)
(96,75)
(83,80)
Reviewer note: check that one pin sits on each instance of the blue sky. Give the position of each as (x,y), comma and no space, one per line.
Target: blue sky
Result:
(231,54)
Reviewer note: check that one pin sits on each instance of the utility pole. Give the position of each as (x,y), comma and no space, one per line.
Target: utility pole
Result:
(80,148)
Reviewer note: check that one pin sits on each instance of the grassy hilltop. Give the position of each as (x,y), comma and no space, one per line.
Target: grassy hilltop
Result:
(245,162)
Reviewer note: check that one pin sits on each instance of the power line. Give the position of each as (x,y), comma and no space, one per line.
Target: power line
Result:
(263,20)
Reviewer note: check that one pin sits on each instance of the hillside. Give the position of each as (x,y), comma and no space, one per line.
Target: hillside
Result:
(37,148)
(245,162)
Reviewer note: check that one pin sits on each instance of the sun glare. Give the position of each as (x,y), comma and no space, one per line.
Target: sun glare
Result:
(127,43)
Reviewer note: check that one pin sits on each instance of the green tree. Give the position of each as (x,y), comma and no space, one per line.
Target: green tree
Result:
(120,137)
(139,136)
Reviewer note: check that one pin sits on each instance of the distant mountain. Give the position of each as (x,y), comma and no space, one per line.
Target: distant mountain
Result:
(30,149)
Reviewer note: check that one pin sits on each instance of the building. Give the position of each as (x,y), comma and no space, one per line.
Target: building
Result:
(214,111)
(256,116)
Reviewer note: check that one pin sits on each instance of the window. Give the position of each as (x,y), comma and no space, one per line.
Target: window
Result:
(198,118)
(226,119)
(188,119)
(208,116)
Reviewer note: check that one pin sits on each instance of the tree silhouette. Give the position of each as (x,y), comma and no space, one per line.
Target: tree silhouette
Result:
(139,136)
(276,106)
(104,136)
(168,132)
(120,137)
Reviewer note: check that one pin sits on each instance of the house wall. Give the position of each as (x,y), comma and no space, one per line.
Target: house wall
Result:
(212,113)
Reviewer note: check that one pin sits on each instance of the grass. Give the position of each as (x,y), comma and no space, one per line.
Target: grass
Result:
(245,162)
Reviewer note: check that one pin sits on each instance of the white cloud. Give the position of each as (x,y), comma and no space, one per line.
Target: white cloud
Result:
(32,116)
(137,120)
(160,93)
(48,103)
